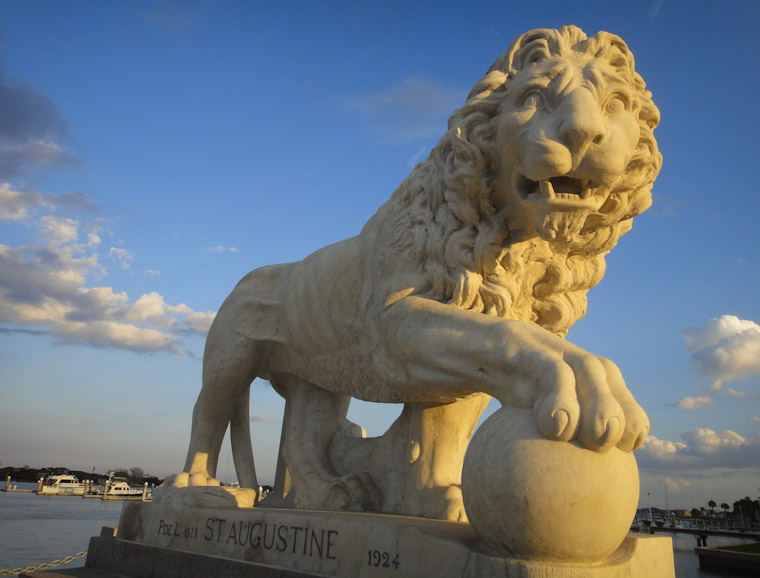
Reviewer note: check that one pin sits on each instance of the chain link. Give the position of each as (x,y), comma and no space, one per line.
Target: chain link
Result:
(43,566)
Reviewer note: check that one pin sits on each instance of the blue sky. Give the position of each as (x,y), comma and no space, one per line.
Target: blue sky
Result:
(152,153)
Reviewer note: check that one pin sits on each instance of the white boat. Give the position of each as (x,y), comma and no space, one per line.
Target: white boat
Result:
(119,489)
(62,485)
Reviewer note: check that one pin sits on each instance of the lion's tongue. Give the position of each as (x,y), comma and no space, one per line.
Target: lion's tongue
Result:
(566,185)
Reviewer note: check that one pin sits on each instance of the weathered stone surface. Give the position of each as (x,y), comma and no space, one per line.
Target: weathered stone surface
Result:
(461,287)
(538,499)
(349,545)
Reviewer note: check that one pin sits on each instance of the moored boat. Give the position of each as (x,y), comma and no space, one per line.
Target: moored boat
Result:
(118,489)
(62,485)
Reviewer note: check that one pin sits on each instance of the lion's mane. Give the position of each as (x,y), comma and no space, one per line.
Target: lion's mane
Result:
(446,220)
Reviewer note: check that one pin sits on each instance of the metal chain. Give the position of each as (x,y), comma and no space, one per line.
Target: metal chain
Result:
(44,566)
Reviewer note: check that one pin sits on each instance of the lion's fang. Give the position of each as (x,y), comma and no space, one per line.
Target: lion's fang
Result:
(546,188)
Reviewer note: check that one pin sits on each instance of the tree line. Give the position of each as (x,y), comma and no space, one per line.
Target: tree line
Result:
(134,475)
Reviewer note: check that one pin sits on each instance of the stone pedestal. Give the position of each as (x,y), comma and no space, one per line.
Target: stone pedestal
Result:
(156,540)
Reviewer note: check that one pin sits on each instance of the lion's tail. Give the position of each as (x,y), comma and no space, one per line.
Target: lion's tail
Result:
(240,438)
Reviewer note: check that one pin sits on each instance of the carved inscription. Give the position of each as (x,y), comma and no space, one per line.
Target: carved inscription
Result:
(289,540)
(380,559)
(296,540)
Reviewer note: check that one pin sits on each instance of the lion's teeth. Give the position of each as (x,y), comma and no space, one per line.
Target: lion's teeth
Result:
(546,188)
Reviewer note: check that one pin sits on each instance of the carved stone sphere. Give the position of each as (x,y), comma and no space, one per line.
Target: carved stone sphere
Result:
(536,499)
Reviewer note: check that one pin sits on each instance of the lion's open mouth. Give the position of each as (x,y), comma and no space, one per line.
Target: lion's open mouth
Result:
(563,192)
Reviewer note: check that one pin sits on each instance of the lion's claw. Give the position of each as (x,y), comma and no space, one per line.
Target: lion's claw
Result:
(610,435)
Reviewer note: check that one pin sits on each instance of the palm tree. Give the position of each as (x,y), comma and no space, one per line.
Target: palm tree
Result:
(712,505)
(724,507)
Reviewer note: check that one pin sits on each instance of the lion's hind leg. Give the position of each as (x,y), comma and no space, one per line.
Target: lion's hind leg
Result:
(230,363)
(315,415)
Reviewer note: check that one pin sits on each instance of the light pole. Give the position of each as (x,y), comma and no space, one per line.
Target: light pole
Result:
(649,501)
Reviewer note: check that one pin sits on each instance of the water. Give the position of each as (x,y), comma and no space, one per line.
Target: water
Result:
(687,562)
(36,529)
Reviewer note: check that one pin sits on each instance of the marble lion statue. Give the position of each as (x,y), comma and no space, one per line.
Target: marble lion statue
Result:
(460,288)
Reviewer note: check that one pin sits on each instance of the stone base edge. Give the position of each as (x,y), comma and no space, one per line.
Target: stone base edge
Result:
(653,559)
(169,542)
(133,560)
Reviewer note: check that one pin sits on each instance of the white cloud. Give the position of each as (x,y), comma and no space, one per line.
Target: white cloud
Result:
(756,419)
(123,256)
(45,284)
(57,230)
(17,205)
(705,441)
(676,485)
(150,308)
(200,322)
(700,449)
(690,403)
(22,204)
(661,448)
(180,309)
(119,335)
(261,418)
(725,348)
(94,303)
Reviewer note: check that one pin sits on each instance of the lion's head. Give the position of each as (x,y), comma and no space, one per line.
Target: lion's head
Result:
(540,172)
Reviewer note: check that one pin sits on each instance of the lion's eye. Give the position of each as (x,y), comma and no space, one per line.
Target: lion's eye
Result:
(531,99)
(616,104)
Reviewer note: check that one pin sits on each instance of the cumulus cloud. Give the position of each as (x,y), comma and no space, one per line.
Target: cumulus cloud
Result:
(261,418)
(756,419)
(690,403)
(45,286)
(200,322)
(415,109)
(17,205)
(23,204)
(118,335)
(31,130)
(122,256)
(706,442)
(725,348)
(700,449)
(676,485)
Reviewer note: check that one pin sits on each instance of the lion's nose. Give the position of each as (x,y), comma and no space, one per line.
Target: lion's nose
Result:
(582,122)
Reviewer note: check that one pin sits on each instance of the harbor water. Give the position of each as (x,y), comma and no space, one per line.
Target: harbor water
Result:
(39,529)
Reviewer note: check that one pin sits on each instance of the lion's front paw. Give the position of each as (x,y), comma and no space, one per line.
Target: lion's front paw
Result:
(186,480)
(592,405)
